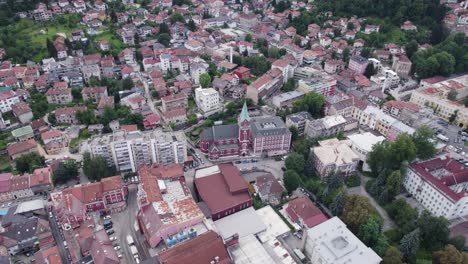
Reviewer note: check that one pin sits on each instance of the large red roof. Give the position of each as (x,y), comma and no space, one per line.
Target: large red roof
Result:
(303,208)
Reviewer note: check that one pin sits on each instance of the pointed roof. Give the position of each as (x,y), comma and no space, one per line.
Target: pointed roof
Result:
(244,115)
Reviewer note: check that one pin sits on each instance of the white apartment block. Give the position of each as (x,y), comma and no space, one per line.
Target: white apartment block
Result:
(334,156)
(362,144)
(440,185)
(128,150)
(434,95)
(386,80)
(332,243)
(7,99)
(208,101)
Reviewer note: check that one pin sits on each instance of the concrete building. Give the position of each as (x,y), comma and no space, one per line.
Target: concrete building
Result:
(324,85)
(287,99)
(299,120)
(332,243)
(329,125)
(174,101)
(357,64)
(7,99)
(268,189)
(402,65)
(23,112)
(269,136)
(362,144)
(385,80)
(68,114)
(334,156)
(59,96)
(94,93)
(129,150)
(439,185)
(266,85)
(208,101)
(303,212)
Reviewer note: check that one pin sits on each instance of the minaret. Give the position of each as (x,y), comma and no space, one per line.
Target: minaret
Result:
(244,131)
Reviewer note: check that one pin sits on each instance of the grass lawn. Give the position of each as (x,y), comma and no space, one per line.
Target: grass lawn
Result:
(4,162)
(114,40)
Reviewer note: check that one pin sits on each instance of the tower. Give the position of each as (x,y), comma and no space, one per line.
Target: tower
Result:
(244,131)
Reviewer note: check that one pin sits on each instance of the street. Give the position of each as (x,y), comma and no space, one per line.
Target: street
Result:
(58,237)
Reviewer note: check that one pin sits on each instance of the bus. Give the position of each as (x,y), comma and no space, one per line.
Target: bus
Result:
(299,255)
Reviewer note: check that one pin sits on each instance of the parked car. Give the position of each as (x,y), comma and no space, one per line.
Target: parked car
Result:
(112,238)
(110,232)
(117,247)
(107,217)
(238,162)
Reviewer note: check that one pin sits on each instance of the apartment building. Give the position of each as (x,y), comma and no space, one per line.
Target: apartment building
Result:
(266,85)
(362,144)
(440,185)
(208,101)
(59,96)
(7,99)
(334,156)
(127,151)
(299,120)
(324,85)
(174,101)
(358,64)
(94,93)
(329,125)
(434,95)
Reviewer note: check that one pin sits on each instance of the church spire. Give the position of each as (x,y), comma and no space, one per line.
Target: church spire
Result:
(244,115)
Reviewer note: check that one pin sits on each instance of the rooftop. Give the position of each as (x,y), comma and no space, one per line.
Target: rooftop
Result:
(365,141)
(303,208)
(334,151)
(252,224)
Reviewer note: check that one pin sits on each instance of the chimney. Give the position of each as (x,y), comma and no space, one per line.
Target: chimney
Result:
(217,259)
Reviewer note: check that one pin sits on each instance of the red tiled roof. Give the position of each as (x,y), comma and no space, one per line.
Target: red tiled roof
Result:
(19,147)
(58,91)
(304,209)
(200,250)
(401,104)
(69,110)
(150,184)
(51,134)
(40,176)
(20,108)
(174,113)
(111,183)
(129,128)
(94,90)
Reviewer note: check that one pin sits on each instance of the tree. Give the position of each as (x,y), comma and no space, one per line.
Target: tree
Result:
(95,168)
(205,80)
(295,162)
(65,171)
(458,242)
(409,244)
(51,48)
(86,117)
(402,213)
(452,95)
(294,132)
(312,103)
(177,17)
(290,85)
(393,183)
(248,38)
(52,118)
(392,256)
(192,119)
(346,53)
(164,39)
(29,162)
(356,211)
(191,25)
(422,138)
(370,70)
(127,84)
(411,47)
(292,180)
(434,230)
(336,207)
(449,255)
(164,29)
(369,232)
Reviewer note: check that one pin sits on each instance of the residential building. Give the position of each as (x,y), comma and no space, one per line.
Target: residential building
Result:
(398,108)
(54,141)
(127,151)
(68,114)
(266,85)
(175,116)
(439,185)
(223,190)
(7,99)
(268,189)
(339,104)
(303,212)
(386,80)
(208,101)
(74,204)
(397,128)
(16,150)
(23,133)
(402,65)
(358,64)
(362,145)
(269,136)
(329,125)
(324,85)
(94,93)
(248,20)
(334,156)
(174,101)
(332,243)
(23,112)
(59,96)
(287,99)
(299,120)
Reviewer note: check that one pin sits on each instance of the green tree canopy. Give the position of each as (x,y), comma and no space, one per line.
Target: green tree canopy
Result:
(29,162)
(410,243)
(65,171)
(392,256)
(95,168)
(295,162)
(205,80)
(434,230)
(292,180)
(423,141)
(356,211)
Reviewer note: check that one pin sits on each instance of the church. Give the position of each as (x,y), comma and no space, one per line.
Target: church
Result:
(267,136)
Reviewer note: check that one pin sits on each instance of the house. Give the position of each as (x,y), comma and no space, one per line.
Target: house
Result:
(298,120)
(94,94)
(398,108)
(68,114)
(151,121)
(23,112)
(402,65)
(223,190)
(59,96)
(23,133)
(358,64)
(248,20)
(408,25)
(175,116)
(16,150)
(242,72)
(7,99)
(334,66)
(105,101)
(371,29)
(334,156)
(174,101)
(268,189)
(362,145)
(303,212)
(54,141)
(208,101)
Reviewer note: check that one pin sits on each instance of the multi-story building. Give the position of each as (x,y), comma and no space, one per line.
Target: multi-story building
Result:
(269,136)
(127,151)
(7,99)
(340,104)
(324,85)
(94,93)
(362,144)
(174,101)
(434,95)
(440,185)
(208,101)
(248,20)
(299,120)
(287,99)
(266,85)
(401,65)
(329,125)
(59,96)
(397,108)
(68,114)
(334,156)
(23,112)
(331,242)
(357,64)
(387,79)
(303,212)
(15,186)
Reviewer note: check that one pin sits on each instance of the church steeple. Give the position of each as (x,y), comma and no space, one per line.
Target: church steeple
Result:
(244,115)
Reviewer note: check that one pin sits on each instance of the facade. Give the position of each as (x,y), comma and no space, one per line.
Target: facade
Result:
(208,101)
(358,64)
(334,156)
(19,149)
(266,85)
(329,125)
(299,120)
(94,93)
(434,95)
(268,189)
(270,136)
(332,243)
(402,65)
(23,133)
(325,85)
(127,151)
(362,144)
(222,189)
(287,99)
(14,187)
(7,99)
(174,101)
(385,80)
(303,212)
(59,96)
(439,185)
(397,108)
(23,112)
(68,114)
(74,204)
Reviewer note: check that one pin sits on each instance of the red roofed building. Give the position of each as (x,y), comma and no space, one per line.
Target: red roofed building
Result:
(48,256)
(439,185)
(73,204)
(151,121)
(395,108)
(242,72)
(202,249)
(223,190)
(19,149)
(68,114)
(94,93)
(302,211)
(266,85)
